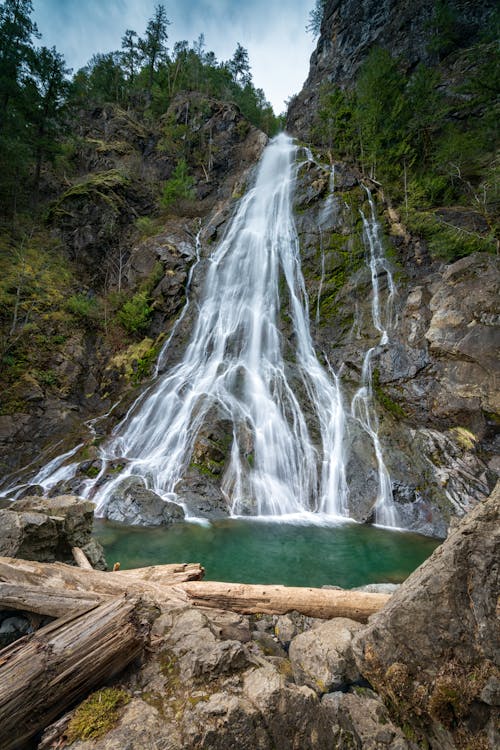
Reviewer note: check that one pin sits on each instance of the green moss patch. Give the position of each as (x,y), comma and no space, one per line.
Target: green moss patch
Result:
(97,714)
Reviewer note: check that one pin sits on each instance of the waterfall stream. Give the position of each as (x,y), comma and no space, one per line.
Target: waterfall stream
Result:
(362,407)
(235,362)
(287,452)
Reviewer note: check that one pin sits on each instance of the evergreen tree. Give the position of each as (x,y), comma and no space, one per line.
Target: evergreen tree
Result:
(239,65)
(154,45)
(48,88)
(315,18)
(17,31)
(131,55)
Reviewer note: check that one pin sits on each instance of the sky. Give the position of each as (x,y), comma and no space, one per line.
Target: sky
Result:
(273,31)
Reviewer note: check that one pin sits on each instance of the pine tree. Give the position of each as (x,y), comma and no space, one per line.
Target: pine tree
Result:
(154,45)
(47,90)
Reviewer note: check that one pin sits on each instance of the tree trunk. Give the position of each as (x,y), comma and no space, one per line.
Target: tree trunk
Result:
(278,600)
(43,675)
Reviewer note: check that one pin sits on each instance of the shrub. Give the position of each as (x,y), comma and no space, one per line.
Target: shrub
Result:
(83,307)
(136,313)
(179,186)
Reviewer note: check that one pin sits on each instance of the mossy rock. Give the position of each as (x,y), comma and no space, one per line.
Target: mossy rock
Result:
(97,714)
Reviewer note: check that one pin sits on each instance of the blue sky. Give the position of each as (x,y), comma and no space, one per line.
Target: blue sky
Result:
(273,31)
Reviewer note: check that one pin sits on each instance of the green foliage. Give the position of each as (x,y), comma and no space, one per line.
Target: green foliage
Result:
(135,314)
(316,17)
(430,145)
(179,186)
(84,307)
(96,715)
(447,242)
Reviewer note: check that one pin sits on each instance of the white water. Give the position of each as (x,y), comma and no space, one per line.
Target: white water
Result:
(235,362)
(362,407)
(325,215)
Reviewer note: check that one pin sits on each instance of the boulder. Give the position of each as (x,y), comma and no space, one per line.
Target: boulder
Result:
(433,653)
(45,529)
(322,657)
(363,722)
(132,503)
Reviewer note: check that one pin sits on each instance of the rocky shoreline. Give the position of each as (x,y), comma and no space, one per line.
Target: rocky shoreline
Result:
(424,672)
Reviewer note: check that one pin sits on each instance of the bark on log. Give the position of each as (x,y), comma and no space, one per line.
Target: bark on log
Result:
(43,675)
(94,586)
(278,600)
(81,558)
(52,602)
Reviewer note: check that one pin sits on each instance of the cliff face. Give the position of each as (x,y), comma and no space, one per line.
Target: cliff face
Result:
(350,28)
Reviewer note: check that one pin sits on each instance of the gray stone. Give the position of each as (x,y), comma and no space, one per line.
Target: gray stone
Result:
(364,722)
(322,658)
(45,529)
(132,503)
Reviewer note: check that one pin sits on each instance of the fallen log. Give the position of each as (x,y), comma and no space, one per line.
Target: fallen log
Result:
(278,600)
(58,584)
(43,600)
(80,558)
(44,674)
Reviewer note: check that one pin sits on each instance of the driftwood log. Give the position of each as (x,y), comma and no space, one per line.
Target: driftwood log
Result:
(56,589)
(44,674)
(278,600)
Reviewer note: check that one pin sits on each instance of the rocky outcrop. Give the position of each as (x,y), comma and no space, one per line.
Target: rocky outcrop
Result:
(433,652)
(350,28)
(45,529)
(434,382)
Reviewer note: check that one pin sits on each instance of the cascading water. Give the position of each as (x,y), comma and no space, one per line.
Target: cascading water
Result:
(287,455)
(325,215)
(362,407)
(235,361)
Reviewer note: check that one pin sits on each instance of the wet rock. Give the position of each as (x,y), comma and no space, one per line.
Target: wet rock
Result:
(132,503)
(322,658)
(435,646)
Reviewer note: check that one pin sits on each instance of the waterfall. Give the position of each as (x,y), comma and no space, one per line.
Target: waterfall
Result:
(287,454)
(235,361)
(362,407)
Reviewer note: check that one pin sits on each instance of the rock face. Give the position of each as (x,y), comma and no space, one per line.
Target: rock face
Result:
(434,383)
(433,652)
(349,30)
(132,503)
(45,529)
